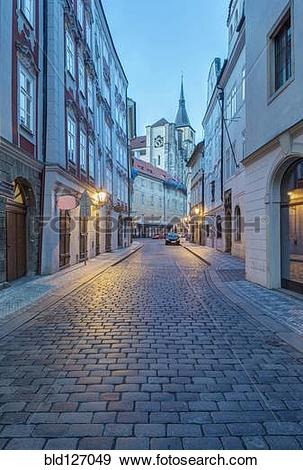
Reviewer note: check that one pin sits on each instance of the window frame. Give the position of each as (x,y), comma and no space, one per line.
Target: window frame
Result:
(83,150)
(71,137)
(91,159)
(70,54)
(29,99)
(286,15)
(30,18)
(81,76)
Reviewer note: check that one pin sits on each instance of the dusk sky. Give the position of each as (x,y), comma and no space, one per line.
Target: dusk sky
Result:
(158,40)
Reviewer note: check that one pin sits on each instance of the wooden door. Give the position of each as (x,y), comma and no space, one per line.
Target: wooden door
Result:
(64,239)
(83,239)
(15,242)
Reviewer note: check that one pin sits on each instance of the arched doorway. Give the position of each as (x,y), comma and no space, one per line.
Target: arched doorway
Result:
(16,234)
(291,222)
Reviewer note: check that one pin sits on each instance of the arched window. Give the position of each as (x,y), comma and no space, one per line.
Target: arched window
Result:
(238,225)
(219,226)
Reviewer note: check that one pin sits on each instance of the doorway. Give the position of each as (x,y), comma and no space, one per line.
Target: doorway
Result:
(16,236)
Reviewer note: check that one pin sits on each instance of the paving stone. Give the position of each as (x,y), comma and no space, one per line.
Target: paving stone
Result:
(246,429)
(166,443)
(283,442)
(77,417)
(85,430)
(215,430)
(255,443)
(26,443)
(92,406)
(105,417)
(232,443)
(61,444)
(202,443)
(164,418)
(132,443)
(132,417)
(96,443)
(183,430)
(150,430)
(118,430)
(283,428)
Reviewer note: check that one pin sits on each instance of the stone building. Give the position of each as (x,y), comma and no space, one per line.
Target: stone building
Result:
(197,194)
(63,131)
(274,144)
(159,200)
(21,138)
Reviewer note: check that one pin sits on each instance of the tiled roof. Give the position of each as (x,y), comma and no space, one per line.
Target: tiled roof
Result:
(138,142)
(153,171)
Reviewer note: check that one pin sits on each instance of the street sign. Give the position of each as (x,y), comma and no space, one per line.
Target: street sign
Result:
(85,205)
(66,203)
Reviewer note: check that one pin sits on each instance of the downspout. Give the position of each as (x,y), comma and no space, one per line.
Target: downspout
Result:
(44,129)
(128,173)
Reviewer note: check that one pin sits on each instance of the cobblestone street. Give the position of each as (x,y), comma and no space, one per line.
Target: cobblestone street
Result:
(148,356)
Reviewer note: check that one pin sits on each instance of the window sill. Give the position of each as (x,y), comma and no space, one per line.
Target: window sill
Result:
(26,129)
(277,93)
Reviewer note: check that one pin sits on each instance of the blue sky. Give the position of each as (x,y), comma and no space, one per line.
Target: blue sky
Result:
(156,41)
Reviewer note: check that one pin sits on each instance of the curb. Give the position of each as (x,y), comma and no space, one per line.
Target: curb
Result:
(281,330)
(196,254)
(43,304)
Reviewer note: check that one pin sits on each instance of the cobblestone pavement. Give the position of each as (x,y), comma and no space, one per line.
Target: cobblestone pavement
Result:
(149,357)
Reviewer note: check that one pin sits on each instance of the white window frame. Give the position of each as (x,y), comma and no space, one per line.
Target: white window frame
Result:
(71,138)
(233,101)
(26,99)
(243,84)
(28,10)
(81,75)
(91,156)
(70,53)
(83,151)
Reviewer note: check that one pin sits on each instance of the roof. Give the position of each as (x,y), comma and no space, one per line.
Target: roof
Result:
(199,149)
(150,170)
(161,122)
(138,142)
(182,119)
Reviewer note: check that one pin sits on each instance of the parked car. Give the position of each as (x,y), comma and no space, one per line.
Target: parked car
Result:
(172,238)
(156,237)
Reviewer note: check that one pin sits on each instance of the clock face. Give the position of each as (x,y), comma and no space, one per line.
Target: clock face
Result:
(159,141)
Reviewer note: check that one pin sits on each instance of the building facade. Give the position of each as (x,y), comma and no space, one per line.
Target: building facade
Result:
(196,190)
(274,144)
(233,84)
(63,136)
(213,132)
(159,200)
(21,138)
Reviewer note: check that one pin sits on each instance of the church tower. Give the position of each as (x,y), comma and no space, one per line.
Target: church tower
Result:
(185,136)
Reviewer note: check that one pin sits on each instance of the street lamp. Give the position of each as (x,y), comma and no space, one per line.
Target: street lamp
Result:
(197,210)
(102,198)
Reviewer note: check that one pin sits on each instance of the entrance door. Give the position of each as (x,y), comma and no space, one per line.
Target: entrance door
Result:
(108,234)
(15,241)
(64,239)
(83,239)
(120,232)
(292,228)
(98,250)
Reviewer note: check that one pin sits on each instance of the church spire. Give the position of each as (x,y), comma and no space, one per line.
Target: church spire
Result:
(182,119)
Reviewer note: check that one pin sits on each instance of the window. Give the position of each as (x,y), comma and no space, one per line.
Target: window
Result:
(159,160)
(70,54)
(83,161)
(71,139)
(243,84)
(238,224)
(91,154)
(81,76)
(90,94)
(213,191)
(27,7)
(207,230)
(26,107)
(142,199)
(282,43)
(219,226)
(89,34)
(106,92)
(80,12)
(107,136)
(233,101)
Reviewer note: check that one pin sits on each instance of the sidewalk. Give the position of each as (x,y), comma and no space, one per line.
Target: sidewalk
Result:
(27,297)
(275,309)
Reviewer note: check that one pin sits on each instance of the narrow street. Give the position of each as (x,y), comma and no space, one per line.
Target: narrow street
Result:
(147,356)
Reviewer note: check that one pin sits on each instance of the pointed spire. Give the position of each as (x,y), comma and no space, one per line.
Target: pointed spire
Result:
(182,119)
